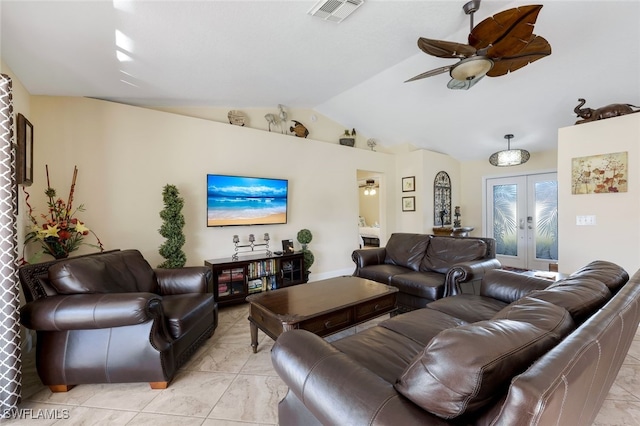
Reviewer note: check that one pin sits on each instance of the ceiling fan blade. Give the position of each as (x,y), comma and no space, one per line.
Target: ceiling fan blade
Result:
(463,84)
(536,48)
(445,49)
(503,33)
(430,73)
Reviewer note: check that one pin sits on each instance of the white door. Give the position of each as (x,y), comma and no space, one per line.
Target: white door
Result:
(522,216)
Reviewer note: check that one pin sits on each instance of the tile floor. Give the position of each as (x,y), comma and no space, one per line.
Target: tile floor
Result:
(225,384)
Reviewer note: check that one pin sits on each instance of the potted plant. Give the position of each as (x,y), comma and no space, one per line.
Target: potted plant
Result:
(304,237)
(171,229)
(348,139)
(59,232)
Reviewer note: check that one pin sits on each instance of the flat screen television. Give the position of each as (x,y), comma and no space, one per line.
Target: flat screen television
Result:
(242,200)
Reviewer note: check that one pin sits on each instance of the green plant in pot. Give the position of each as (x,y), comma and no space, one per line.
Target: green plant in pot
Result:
(304,238)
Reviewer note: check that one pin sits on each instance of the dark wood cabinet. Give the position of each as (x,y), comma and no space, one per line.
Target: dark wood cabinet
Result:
(234,280)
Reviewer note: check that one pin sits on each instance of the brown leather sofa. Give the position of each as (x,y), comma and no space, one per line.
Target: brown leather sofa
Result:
(110,317)
(426,267)
(523,351)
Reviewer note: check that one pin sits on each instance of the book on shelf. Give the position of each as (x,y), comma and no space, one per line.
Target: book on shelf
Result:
(229,275)
(262,268)
(223,289)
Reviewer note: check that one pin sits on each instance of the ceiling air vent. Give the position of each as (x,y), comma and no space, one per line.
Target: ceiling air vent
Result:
(335,10)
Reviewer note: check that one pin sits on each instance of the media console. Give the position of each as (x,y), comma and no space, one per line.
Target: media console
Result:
(234,280)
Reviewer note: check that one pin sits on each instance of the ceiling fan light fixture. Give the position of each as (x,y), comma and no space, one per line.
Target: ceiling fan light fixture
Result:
(471,68)
(509,157)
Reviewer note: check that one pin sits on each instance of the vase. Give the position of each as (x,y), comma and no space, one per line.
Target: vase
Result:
(347,141)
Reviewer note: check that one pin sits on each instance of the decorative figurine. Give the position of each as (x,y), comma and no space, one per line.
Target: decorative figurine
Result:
(271,119)
(299,130)
(613,110)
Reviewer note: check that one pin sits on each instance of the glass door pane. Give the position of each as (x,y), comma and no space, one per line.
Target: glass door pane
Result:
(543,194)
(505,230)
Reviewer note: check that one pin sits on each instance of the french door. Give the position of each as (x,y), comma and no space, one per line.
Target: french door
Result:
(522,216)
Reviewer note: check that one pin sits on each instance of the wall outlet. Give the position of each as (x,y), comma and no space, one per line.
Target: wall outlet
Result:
(589,220)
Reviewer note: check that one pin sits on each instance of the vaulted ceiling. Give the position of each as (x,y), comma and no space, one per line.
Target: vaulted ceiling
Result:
(242,54)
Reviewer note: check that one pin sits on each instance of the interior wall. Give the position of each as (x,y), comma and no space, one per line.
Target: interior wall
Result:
(125,156)
(320,127)
(616,235)
(369,206)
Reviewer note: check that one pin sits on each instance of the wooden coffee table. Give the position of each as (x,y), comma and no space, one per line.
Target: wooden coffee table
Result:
(321,307)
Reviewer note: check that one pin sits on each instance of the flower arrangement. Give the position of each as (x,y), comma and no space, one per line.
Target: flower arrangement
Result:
(60,232)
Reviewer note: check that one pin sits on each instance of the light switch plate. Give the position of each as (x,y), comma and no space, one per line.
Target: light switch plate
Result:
(588,220)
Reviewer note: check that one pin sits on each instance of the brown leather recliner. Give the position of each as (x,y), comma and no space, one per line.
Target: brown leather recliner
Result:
(111,318)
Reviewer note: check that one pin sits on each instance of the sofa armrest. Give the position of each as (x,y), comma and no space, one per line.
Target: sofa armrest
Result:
(333,387)
(191,279)
(510,286)
(467,271)
(90,311)
(368,257)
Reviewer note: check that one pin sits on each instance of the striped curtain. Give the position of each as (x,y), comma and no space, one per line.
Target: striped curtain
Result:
(10,364)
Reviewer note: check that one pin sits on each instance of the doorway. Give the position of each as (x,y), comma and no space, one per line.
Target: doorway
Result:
(370,217)
(522,216)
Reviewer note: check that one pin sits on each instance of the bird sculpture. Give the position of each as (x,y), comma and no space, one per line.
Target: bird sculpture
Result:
(271,119)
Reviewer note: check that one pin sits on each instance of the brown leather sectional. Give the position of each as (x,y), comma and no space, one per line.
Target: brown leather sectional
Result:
(110,317)
(523,351)
(426,267)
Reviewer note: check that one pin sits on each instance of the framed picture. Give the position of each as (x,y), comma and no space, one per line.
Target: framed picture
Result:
(408,184)
(408,204)
(24,157)
(600,174)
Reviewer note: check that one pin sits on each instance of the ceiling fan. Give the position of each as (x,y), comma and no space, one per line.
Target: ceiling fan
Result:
(498,45)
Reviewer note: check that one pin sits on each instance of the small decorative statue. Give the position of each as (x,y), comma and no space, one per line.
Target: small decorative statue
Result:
(298,129)
(456,221)
(613,110)
(271,119)
(443,213)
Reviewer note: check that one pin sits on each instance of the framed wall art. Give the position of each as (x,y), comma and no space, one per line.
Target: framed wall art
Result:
(409,184)
(408,204)
(599,174)
(24,157)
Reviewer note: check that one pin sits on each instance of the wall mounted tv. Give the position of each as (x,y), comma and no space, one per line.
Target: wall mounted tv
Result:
(241,200)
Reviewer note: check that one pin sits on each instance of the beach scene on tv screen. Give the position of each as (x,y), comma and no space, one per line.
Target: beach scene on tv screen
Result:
(238,200)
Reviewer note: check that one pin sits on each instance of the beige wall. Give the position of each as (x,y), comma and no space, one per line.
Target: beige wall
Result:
(126,155)
(616,236)
(369,207)
(423,165)
(320,127)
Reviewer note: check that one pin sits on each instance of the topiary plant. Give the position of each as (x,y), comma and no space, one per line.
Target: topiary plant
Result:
(171,229)
(304,238)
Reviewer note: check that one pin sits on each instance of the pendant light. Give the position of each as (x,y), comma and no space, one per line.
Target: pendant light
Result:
(509,157)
